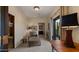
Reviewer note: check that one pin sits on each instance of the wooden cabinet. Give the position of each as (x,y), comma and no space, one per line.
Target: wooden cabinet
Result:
(4,28)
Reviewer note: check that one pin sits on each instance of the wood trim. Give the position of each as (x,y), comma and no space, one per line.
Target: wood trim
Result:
(13,20)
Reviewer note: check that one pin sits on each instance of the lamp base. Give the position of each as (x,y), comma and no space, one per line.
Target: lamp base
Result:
(69,42)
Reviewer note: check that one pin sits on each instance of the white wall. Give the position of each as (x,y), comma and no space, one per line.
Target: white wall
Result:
(55,12)
(75,34)
(20,24)
(51,29)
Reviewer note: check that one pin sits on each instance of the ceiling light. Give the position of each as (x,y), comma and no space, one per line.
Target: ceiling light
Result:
(36,8)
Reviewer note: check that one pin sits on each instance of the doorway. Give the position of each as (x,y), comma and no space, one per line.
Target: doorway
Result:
(41,31)
(56,29)
(11,31)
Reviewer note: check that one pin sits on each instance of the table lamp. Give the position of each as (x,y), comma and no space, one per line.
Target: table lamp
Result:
(69,22)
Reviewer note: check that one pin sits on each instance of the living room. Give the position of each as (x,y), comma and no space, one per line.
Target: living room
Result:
(22,23)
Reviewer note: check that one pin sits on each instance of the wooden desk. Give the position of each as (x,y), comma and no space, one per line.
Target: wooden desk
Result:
(58,45)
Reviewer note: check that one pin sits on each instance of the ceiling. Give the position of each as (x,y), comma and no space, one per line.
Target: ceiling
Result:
(44,11)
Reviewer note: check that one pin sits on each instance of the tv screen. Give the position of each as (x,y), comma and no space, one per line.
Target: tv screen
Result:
(70,20)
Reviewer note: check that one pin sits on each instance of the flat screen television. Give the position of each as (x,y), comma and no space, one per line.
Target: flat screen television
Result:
(70,20)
